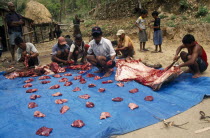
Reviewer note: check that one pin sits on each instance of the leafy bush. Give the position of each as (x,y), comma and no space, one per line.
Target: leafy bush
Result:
(88,23)
(173,17)
(206,19)
(202,11)
(184,17)
(162,16)
(184,5)
(171,24)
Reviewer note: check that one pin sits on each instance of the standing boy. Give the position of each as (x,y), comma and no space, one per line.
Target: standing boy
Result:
(141,24)
(157,37)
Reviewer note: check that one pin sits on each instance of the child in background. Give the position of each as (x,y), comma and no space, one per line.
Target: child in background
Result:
(141,24)
(157,37)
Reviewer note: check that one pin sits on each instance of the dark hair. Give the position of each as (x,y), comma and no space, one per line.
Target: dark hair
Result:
(188,39)
(144,12)
(18,40)
(67,36)
(155,13)
(78,37)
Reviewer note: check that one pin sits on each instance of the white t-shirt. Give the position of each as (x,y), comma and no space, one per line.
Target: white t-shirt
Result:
(104,48)
(29,48)
(141,22)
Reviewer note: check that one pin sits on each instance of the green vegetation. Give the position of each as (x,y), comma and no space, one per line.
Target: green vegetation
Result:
(171,24)
(184,5)
(173,17)
(184,17)
(202,11)
(206,19)
(88,23)
(162,16)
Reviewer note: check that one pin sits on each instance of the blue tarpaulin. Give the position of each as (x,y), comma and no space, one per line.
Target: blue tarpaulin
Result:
(17,120)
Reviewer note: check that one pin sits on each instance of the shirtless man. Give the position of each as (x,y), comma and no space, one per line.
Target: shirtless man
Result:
(195,59)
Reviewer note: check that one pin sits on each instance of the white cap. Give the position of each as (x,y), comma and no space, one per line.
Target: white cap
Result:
(120,32)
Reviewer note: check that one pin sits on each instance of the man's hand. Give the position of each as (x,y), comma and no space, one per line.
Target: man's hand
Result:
(109,63)
(140,29)
(176,58)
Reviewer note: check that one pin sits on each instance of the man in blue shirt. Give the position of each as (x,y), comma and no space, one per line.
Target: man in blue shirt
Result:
(60,51)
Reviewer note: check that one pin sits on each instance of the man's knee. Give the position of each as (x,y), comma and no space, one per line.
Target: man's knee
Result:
(184,56)
(90,57)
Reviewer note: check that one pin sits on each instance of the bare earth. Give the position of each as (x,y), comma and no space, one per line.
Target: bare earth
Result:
(155,131)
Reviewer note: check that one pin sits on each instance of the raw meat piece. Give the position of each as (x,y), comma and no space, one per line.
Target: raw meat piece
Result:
(64,109)
(133,106)
(97,77)
(91,85)
(90,75)
(44,131)
(78,123)
(34,96)
(27,85)
(29,80)
(82,81)
(55,86)
(134,90)
(44,77)
(54,67)
(117,99)
(101,90)
(77,77)
(57,76)
(148,98)
(45,82)
(108,81)
(61,101)
(105,115)
(26,61)
(76,89)
(31,90)
(57,94)
(81,72)
(63,80)
(85,96)
(61,70)
(68,74)
(120,84)
(136,70)
(68,83)
(90,104)
(12,75)
(32,105)
(39,114)
(86,66)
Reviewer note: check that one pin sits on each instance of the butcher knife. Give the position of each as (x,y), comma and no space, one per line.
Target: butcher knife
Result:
(171,64)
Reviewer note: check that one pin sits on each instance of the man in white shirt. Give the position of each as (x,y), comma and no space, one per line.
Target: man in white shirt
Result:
(26,50)
(101,53)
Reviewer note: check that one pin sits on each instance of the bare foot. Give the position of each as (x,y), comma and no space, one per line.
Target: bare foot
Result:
(107,74)
(146,49)
(99,71)
(160,51)
(154,52)
(197,75)
(188,71)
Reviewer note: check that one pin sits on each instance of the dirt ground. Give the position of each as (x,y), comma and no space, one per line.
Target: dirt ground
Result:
(165,58)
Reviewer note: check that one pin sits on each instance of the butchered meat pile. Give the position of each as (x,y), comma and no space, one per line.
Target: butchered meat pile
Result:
(136,70)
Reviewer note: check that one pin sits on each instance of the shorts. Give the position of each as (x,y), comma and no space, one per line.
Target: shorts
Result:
(129,52)
(12,37)
(202,64)
(157,38)
(143,36)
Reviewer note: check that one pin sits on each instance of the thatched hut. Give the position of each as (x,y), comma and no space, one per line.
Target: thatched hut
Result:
(27,29)
(43,25)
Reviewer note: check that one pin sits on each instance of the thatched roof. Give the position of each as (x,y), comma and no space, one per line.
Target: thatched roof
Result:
(38,12)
